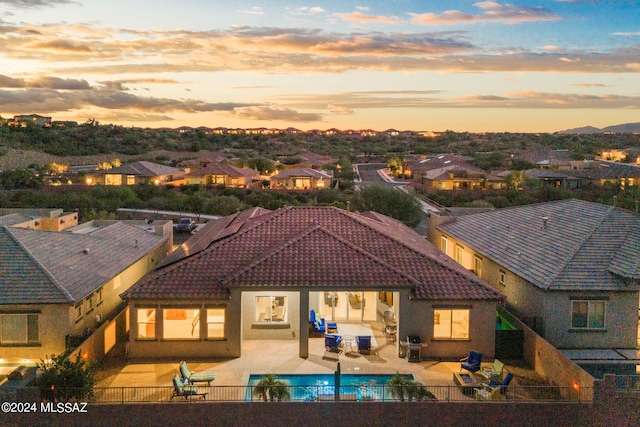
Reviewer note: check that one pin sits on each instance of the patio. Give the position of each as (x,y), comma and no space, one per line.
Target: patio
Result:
(280,357)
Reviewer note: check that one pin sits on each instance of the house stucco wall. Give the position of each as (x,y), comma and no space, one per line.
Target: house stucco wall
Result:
(254,330)
(159,348)
(53,326)
(417,318)
(550,311)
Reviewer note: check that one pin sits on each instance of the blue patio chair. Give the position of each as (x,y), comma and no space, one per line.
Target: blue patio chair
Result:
(502,384)
(332,342)
(364,344)
(472,362)
(317,324)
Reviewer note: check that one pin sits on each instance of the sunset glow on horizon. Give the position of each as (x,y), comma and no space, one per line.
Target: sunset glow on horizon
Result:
(479,66)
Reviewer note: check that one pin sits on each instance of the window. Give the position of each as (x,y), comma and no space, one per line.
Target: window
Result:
(19,328)
(451,323)
(89,304)
(478,266)
(302,183)
(146,323)
(181,323)
(215,322)
(587,314)
(459,250)
(78,311)
(271,309)
(503,277)
(131,180)
(98,297)
(443,244)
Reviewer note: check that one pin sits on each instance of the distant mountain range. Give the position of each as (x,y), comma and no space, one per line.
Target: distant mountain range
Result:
(623,128)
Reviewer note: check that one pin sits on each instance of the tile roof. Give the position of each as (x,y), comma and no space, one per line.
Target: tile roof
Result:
(224,169)
(143,169)
(303,172)
(583,246)
(62,267)
(312,247)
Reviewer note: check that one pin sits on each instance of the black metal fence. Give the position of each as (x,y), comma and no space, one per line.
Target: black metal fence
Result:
(318,393)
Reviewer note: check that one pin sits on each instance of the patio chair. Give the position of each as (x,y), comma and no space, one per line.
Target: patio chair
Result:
(390,326)
(332,342)
(317,324)
(472,362)
(501,385)
(192,377)
(494,389)
(495,371)
(364,344)
(180,389)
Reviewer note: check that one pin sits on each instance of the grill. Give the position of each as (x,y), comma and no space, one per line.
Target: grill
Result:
(414,349)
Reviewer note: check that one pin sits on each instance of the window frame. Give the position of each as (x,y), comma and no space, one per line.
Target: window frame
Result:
(223,323)
(154,323)
(478,265)
(264,318)
(503,277)
(459,253)
(174,312)
(28,331)
(438,319)
(444,244)
(590,302)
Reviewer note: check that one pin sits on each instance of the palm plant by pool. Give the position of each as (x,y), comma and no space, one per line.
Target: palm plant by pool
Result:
(401,387)
(271,389)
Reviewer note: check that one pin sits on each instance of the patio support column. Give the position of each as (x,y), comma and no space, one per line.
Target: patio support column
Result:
(304,324)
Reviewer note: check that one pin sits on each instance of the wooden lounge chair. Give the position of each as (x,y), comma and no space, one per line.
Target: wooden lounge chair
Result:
(192,377)
(494,372)
(180,389)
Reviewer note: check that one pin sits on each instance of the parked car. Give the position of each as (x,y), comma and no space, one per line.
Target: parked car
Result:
(186,225)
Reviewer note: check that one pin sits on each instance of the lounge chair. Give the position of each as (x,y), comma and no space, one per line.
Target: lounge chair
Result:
(494,389)
(180,389)
(495,371)
(332,342)
(472,362)
(192,377)
(317,324)
(364,344)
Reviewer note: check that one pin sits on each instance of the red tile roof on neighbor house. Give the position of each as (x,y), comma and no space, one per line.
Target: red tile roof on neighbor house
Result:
(310,247)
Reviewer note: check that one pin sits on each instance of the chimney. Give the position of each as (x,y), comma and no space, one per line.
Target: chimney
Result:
(348,206)
(545,219)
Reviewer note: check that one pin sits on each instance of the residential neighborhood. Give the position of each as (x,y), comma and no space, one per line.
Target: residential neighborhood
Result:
(280,258)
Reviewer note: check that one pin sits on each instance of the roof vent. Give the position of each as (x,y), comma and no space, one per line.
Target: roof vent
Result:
(86,251)
(545,220)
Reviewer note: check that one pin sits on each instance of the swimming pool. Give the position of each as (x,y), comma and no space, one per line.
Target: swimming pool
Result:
(311,387)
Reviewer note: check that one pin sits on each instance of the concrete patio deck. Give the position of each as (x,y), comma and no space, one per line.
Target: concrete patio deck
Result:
(281,357)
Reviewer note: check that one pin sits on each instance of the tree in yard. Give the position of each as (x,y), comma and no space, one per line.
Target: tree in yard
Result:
(271,389)
(391,202)
(64,379)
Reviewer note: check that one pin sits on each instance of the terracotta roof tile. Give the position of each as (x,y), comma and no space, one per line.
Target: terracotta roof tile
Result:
(321,247)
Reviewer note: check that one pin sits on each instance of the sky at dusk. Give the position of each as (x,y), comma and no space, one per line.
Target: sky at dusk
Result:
(517,66)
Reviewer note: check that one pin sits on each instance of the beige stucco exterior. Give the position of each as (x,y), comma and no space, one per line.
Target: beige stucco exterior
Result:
(57,321)
(550,310)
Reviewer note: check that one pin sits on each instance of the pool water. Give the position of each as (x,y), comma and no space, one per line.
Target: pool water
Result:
(309,386)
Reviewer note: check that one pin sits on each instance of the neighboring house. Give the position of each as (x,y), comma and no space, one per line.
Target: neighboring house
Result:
(612,173)
(570,268)
(630,155)
(223,174)
(457,177)
(301,179)
(32,118)
(137,173)
(559,179)
(56,287)
(256,275)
